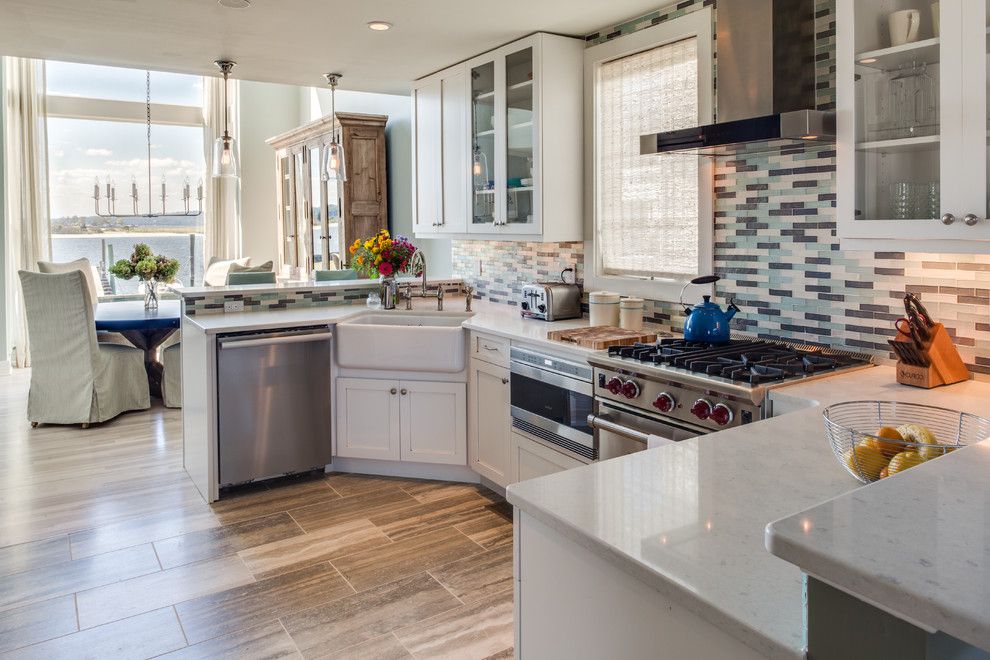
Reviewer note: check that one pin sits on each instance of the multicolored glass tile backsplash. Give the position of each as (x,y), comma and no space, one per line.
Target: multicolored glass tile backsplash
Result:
(776,249)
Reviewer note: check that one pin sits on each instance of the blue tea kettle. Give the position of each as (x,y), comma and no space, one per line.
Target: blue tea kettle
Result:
(706,322)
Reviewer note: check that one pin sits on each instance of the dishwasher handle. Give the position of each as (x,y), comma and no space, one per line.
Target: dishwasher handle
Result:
(604,424)
(275,341)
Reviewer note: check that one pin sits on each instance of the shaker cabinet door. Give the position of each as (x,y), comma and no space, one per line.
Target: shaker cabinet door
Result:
(427,155)
(433,422)
(489,421)
(368,418)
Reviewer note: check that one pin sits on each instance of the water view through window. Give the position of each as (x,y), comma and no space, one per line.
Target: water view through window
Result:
(83,150)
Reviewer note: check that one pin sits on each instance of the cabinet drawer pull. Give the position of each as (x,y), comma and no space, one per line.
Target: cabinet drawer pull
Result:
(948,219)
(489,348)
(392,391)
(971,219)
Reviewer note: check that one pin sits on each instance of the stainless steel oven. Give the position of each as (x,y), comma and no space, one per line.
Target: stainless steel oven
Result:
(621,430)
(551,399)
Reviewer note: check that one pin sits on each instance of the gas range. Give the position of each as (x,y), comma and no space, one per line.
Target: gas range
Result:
(710,386)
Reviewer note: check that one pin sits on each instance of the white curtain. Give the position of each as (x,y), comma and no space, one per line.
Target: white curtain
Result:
(25,154)
(223,195)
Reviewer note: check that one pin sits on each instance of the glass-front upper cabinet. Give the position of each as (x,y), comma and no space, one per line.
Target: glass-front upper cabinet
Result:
(487,166)
(520,136)
(911,78)
(483,122)
(504,134)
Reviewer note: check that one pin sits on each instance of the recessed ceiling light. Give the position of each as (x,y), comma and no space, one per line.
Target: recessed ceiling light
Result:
(868,60)
(379,26)
(234,4)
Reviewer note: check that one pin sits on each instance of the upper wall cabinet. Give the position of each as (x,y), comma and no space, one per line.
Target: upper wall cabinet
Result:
(498,144)
(913,125)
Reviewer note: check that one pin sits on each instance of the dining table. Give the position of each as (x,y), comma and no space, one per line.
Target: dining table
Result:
(144,328)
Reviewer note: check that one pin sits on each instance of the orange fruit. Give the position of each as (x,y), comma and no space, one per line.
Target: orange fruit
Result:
(888,449)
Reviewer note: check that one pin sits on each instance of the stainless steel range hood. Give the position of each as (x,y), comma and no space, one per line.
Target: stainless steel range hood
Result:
(766,84)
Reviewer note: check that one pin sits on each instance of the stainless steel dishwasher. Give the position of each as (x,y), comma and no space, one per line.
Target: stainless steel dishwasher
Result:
(273,399)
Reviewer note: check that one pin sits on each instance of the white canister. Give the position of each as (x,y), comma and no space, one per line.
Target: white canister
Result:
(631,313)
(604,306)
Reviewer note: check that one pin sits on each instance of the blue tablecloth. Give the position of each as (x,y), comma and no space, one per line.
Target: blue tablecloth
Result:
(119,315)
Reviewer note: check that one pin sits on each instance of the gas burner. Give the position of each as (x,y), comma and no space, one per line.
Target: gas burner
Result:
(745,361)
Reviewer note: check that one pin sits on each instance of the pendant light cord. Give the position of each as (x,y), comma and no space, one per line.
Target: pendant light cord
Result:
(147,105)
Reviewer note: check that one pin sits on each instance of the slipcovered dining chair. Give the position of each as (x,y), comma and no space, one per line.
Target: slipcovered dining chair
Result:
(334,275)
(237,279)
(171,352)
(74,378)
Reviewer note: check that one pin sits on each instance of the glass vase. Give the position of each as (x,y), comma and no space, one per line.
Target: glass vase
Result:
(151,294)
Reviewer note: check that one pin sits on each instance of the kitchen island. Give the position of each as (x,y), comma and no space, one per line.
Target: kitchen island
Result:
(295,306)
(661,554)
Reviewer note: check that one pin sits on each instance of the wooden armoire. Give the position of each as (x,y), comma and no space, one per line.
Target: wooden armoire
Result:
(318,220)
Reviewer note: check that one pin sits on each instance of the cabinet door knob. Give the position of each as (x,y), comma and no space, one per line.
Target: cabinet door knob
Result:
(392,391)
(403,392)
(505,381)
(948,219)
(971,219)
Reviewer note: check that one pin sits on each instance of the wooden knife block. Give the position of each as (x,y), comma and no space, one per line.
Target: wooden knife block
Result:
(945,368)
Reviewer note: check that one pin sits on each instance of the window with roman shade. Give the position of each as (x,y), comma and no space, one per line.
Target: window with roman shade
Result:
(652,213)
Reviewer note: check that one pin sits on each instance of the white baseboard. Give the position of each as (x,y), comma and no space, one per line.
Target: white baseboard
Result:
(5,368)
(460,473)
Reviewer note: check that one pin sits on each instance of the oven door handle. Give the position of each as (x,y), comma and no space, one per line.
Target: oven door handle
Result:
(605,424)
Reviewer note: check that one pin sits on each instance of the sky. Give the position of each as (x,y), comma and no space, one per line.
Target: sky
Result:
(81,150)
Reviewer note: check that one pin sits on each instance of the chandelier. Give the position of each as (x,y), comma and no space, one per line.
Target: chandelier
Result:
(110,187)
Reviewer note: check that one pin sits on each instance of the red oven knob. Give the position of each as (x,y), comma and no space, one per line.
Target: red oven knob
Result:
(614,385)
(630,389)
(721,414)
(664,402)
(702,409)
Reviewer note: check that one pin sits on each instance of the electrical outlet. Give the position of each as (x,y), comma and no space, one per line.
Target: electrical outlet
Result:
(233,306)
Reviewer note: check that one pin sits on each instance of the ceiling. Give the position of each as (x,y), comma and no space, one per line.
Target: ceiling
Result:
(293,41)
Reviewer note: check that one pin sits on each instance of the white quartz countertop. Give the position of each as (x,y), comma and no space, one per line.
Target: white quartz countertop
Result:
(302,285)
(689,518)
(917,544)
(487,317)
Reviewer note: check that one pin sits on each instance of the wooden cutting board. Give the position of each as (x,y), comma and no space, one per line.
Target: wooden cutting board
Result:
(600,337)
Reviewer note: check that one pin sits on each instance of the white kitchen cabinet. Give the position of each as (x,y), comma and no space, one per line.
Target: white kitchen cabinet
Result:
(368,418)
(396,420)
(531,459)
(510,150)
(432,426)
(912,128)
(489,421)
(441,153)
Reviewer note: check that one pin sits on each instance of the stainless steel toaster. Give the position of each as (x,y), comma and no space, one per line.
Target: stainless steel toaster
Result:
(551,301)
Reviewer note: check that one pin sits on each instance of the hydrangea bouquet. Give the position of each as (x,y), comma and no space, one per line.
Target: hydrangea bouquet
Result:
(149,268)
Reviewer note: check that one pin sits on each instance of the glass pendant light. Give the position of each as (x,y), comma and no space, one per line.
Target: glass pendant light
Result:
(334,167)
(225,163)
(479,168)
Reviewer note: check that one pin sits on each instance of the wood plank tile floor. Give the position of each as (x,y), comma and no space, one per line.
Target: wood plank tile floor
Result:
(108,551)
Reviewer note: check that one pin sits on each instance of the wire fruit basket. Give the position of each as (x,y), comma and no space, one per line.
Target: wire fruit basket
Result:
(874,439)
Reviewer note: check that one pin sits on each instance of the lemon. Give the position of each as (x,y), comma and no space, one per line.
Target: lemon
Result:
(903,461)
(923,436)
(865,460)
